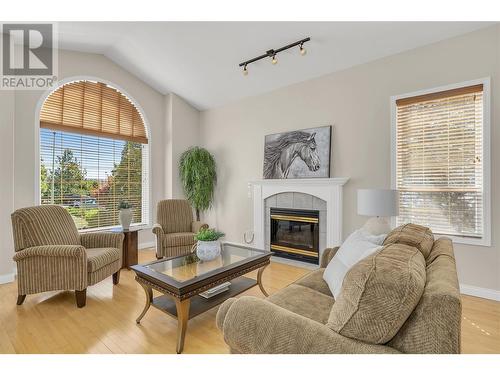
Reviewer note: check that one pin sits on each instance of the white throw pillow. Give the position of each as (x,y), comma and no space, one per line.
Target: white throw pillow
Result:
(357,246)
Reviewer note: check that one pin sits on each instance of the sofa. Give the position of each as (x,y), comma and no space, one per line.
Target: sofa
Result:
(403,299)
(52,255)
(175,228)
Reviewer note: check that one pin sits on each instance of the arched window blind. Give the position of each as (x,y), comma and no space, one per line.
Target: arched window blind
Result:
(93,148)
(439,166)
(93,108)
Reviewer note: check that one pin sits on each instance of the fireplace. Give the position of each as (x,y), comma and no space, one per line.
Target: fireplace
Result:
(295,234)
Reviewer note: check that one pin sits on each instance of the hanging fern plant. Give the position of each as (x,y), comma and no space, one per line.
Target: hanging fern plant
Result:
(198,175)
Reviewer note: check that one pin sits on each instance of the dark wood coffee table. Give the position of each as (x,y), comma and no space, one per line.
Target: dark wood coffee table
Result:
(182,278)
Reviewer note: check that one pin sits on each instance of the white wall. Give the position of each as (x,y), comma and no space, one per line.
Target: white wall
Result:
(182,132)
(19,142)
(356,102)
(6,186)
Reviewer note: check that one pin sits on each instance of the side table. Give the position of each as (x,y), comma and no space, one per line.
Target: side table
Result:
(130,242)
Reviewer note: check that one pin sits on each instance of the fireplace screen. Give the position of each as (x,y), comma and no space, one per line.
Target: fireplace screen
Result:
(295,234)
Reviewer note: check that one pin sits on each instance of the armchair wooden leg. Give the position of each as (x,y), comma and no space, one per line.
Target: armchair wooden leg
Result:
(21,298)
(116,277)
(81,297)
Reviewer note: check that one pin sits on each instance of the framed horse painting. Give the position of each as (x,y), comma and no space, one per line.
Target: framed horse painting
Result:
(298,154)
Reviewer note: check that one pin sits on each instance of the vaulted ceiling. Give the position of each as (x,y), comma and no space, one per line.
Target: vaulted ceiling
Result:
(199,60)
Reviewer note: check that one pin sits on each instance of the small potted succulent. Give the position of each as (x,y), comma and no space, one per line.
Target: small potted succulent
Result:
(208,245)
(126,213)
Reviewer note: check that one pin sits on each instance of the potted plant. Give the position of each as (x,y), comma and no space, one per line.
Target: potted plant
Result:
(125,215)
(198,176)
(208,245)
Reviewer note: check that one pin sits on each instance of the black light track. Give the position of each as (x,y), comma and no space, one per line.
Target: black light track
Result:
(274,52)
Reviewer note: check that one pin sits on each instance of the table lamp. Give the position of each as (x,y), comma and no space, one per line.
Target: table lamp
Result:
(380,204)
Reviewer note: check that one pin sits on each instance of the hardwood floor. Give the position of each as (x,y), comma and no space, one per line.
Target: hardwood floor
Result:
(51,323)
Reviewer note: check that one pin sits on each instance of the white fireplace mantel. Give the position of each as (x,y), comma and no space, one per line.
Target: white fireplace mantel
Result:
(328,189)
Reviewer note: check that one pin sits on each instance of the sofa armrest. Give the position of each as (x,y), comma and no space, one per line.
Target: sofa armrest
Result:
(63,251)
(93,240)
(196,226)
(157,229)
(328,255)
(253,325)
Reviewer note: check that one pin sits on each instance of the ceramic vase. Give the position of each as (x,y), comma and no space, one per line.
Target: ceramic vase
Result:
(125,217)
(208,250)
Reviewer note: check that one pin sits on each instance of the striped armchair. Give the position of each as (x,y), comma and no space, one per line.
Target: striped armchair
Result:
(175,228)
(52,255)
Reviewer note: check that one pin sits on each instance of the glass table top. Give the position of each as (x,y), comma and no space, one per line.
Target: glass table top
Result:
(188,267)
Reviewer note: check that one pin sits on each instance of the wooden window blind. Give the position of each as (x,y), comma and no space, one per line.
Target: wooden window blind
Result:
(93,108)
(439,171)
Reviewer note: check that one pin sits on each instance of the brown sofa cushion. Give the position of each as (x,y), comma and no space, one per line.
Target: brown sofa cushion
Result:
(304,301)
(314,280)
(378,294)
(434,325)
(412,235)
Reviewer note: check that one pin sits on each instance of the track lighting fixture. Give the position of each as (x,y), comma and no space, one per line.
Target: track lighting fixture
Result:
(272,53)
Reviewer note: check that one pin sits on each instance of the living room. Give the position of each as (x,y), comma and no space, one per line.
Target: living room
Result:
(280,187)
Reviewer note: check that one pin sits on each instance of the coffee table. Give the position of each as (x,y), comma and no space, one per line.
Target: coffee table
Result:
(181,279)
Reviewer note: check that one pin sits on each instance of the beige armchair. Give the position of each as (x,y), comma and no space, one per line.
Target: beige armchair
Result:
(175,228)
(52,255)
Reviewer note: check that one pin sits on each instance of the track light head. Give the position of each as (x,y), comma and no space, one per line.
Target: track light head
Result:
(274,61)
(303,51)
(245,70)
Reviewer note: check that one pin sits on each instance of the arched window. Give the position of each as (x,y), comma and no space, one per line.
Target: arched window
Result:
(93,154)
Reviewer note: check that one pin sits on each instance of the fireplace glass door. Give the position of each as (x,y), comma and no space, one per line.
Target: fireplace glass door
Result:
(295,234)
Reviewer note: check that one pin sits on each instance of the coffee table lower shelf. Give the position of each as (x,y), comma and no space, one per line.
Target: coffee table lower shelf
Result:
(199,304)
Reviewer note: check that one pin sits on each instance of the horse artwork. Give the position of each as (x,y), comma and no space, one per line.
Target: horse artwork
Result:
(298,154)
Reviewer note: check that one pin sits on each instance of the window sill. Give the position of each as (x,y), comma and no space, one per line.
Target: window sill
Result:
(467,240)
(483,241)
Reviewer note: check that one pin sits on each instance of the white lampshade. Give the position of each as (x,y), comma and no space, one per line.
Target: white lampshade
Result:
(378,202)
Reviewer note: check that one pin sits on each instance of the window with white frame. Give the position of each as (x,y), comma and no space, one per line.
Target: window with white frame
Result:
(93,154)
(440,161)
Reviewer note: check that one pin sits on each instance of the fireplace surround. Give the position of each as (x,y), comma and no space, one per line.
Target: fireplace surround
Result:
(327,191)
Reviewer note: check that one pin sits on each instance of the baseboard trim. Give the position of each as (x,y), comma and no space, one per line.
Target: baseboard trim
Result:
(146,245)
(476,291)
(7,278)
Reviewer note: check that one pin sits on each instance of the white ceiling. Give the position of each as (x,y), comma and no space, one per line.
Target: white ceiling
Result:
(199,60)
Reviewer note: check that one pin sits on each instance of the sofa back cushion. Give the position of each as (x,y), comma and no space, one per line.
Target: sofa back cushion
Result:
(43,225)
(174,215)
(378,294)
(434,325)
(412,235)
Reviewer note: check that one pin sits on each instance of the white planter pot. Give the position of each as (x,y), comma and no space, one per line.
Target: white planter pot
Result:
(208,250)
(125,217)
